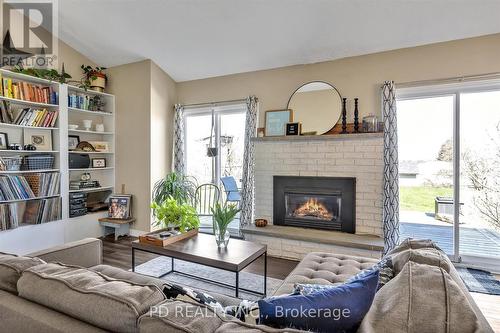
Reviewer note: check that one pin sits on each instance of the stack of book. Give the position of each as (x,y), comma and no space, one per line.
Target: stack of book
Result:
(14,187)
(29,117)
(29,212)
(80,101)
(44,184)
(27,91)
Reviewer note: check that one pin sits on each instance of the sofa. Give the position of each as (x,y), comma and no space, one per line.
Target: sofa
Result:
(67,289)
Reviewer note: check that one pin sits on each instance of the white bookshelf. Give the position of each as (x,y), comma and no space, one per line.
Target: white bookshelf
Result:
(15,134)
(84,226)
(106,116)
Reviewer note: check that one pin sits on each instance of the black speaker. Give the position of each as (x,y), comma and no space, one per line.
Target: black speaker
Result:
(79,161)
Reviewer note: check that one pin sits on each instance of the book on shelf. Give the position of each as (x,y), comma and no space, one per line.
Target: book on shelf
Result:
(27,91)
(12,215)
(31,117)
(16,187)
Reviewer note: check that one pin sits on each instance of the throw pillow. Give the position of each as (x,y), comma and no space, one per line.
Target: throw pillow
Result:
(174,291)
(337,309)
(385,268)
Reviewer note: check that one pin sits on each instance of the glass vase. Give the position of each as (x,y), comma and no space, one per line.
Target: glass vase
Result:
(221,237)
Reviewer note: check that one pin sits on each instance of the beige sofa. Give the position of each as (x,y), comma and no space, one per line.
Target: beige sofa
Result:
(83,295)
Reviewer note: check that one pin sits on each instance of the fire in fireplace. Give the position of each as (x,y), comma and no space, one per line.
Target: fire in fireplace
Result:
(315,202)
(318,207)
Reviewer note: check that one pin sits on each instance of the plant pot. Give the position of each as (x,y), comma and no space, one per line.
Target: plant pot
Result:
(221,238)
(99,83)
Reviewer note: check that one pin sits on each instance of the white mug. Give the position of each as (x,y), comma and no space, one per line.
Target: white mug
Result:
(87,124)
(99,127)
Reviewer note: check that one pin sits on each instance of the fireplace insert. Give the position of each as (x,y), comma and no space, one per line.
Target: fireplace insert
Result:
(315,202)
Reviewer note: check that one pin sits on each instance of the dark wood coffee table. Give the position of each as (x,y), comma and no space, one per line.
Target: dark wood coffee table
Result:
(202,249)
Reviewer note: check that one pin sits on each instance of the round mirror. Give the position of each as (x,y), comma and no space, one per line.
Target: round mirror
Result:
(317,106)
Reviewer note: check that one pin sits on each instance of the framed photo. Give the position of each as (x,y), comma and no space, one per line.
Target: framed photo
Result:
(41,139)
(4,141)
(100,146)
(261,132)
(293,129)
(73,141)
(119,206)
(276,120)
(98,162)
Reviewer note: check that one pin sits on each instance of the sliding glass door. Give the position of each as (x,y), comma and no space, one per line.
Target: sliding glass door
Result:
(449,152)
(480,174)
(426,169)
(215,143)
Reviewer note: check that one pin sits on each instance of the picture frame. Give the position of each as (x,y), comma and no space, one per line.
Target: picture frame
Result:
(120,206)
(261,132)
(4,141)
(73,141)
(40,138)
(276,120)
(293,129)
(98,163)
(100,146)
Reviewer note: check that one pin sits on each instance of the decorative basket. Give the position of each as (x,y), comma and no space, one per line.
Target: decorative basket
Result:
(12,163)
(261,223)
(38,162)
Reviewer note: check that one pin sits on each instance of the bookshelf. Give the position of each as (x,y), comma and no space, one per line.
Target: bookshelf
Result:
(82,107)
(61,228)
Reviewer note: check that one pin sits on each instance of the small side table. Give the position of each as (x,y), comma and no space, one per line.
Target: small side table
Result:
(116,226)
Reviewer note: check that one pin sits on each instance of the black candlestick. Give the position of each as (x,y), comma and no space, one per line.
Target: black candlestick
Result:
(356,116)
(344,116)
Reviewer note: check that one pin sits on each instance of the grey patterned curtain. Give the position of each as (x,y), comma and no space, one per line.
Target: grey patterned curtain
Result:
(391,174)
(179,153)
(247,192)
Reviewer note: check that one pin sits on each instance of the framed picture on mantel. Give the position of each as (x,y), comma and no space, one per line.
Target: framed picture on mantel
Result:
(276,120)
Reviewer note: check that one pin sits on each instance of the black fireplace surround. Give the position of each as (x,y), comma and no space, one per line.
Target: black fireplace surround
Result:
(315,202)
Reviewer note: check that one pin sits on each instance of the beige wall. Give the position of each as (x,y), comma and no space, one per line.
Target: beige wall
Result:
(131,85)
(163,98)
(145,97)
(354,77)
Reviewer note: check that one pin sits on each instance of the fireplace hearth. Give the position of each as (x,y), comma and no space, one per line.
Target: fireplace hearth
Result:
(315,202)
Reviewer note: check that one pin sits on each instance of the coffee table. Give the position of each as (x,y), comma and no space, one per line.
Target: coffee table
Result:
(202,249)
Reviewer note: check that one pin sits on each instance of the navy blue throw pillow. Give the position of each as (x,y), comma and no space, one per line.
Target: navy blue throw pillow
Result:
(339,309)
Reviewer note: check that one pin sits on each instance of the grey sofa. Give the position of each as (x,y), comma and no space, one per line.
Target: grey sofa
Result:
(39,294)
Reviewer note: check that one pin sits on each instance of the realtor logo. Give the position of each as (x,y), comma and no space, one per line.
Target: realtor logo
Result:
(29,32)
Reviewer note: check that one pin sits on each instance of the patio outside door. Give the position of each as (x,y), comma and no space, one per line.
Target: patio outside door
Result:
(449,145)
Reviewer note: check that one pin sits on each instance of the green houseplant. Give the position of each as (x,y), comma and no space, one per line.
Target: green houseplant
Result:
(174,185)
(172,214)
(223,215)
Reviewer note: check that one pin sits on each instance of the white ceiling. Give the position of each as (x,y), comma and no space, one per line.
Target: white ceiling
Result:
(193,39)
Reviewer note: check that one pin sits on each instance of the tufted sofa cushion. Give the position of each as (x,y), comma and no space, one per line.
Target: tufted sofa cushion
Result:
(324,268)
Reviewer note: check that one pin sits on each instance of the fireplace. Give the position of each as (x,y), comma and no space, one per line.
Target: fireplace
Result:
(315,202)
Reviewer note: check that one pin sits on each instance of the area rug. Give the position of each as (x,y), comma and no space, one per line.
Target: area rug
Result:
(479,281)
(158,267)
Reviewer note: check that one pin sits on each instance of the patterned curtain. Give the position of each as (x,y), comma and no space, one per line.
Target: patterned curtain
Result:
(179,153)
(391,181)
(247,192)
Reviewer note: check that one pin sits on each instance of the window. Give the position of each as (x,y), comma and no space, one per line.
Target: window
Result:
(449,144)
(214,139)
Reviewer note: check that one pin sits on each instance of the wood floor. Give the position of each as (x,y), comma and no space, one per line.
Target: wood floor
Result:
(118,254)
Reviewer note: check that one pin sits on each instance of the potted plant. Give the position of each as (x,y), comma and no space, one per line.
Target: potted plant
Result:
(174,185)
(223,215)
(95,78)
(174,215)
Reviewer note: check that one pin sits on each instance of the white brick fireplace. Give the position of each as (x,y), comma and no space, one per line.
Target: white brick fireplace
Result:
(350,155)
